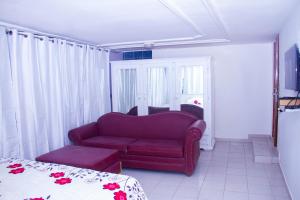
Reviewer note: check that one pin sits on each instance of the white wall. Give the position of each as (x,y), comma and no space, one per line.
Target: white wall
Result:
(289,123)
(243,86)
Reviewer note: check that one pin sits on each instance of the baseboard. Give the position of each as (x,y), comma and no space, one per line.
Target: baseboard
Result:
(231,140)
(258,136)
(284,177)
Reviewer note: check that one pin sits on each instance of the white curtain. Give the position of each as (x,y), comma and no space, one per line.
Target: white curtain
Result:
(127,88)
(192,80)
(158,94)
(9,138)
(48,86)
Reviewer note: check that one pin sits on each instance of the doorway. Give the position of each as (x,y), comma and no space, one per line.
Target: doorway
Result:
(275,92)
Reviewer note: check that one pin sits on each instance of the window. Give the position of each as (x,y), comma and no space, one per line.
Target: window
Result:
(192,87)
(159,83)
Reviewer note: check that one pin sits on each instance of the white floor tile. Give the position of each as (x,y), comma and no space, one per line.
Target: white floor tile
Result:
(215,177)
(236,187)
(211,195)
(277,182)
(213,185)
(252,172)
(236,165)
(235,196)
(260,197)
(236,171)
(258,181)
(281,198)
(236,179)
(259,189)
(189,192)
(280,191)
(226,173)
(183,198)
(160,196)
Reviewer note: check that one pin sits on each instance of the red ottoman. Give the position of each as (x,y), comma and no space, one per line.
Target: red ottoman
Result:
(85,157)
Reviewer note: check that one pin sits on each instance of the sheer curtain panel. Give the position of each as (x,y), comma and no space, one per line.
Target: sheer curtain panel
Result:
(127,89)
(48,86)
(158,94)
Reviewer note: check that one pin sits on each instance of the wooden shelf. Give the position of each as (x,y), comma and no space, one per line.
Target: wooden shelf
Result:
(285,102)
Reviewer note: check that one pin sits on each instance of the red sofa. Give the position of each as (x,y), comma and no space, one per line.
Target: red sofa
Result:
(163,141)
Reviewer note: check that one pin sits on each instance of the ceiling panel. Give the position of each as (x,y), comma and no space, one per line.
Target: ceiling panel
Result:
(97,21)
(123,21)
(254,20)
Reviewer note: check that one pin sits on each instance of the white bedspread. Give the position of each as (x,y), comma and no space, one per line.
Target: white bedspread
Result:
(32,180)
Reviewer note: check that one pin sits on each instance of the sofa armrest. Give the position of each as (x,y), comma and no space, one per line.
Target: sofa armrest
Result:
(81,133)
(191,145)
(195,131)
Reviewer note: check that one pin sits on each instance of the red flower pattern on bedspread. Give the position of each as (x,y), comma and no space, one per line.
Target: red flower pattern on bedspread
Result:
(14,165)
(111,186)
(17,171)
(63,181)
(57,174)
(120,195)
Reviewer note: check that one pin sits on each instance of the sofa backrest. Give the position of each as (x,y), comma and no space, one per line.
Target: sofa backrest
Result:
(189,108)
(166,125)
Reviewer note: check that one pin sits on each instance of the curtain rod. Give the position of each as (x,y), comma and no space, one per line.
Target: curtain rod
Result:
(52,39)
(40,35)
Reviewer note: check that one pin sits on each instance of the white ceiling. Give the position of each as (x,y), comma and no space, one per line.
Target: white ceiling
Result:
(132,22)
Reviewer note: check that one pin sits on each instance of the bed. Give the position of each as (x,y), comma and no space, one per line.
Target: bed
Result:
(32,180)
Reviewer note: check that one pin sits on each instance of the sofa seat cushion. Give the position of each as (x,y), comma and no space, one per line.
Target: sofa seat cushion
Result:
(156,147)
(110,142)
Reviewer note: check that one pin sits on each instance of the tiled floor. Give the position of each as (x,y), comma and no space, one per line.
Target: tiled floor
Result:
(226,173)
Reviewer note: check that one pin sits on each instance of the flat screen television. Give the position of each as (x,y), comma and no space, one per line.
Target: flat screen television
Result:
(292,68)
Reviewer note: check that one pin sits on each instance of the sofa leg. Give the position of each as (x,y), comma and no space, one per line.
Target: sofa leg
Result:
(189,173)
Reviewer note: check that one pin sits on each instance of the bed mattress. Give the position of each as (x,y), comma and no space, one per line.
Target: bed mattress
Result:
(32,180)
